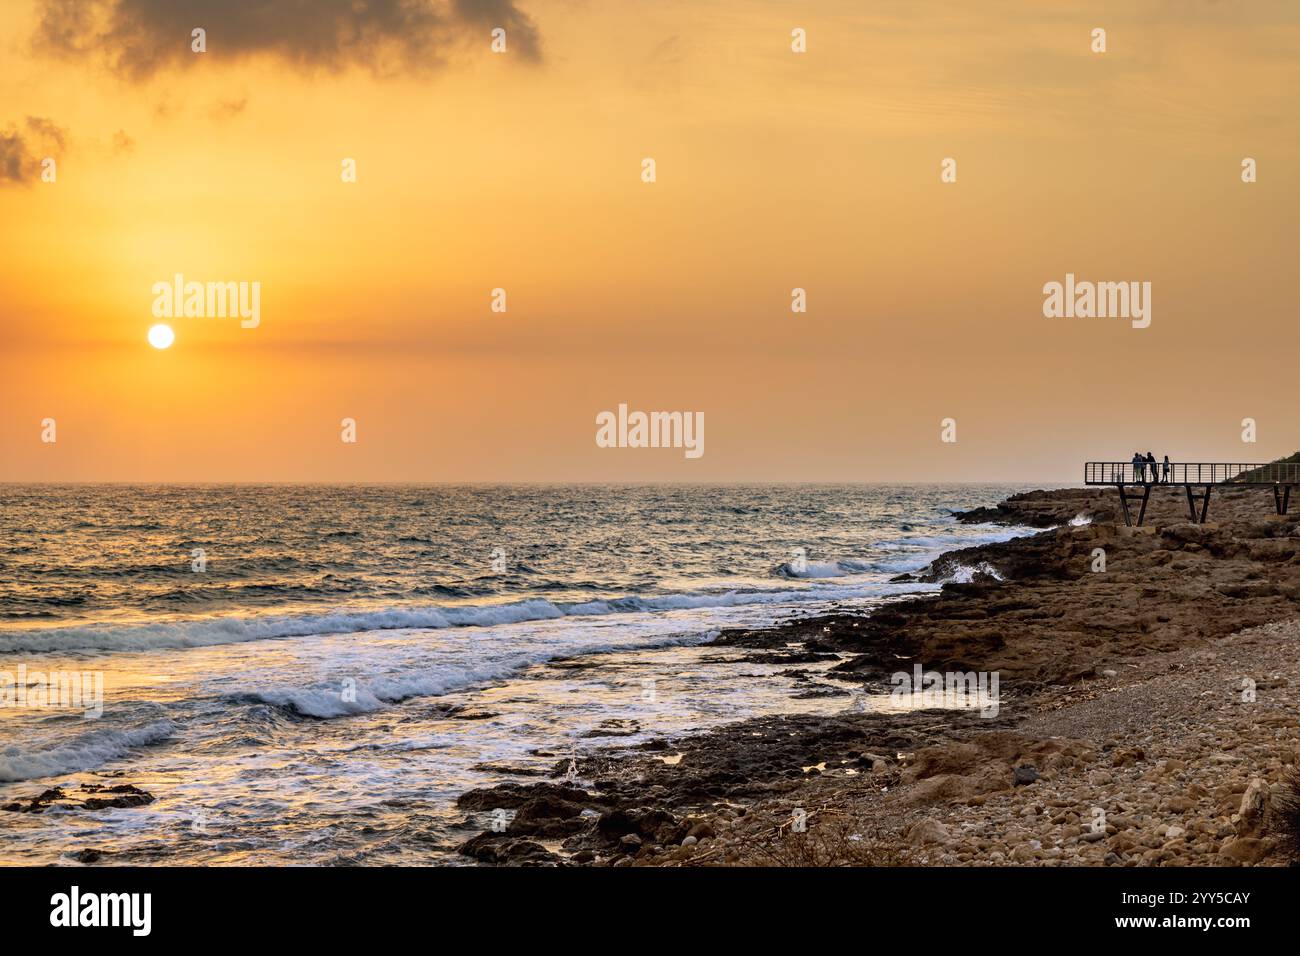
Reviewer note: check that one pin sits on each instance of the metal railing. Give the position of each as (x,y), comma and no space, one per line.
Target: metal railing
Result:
(1191,473)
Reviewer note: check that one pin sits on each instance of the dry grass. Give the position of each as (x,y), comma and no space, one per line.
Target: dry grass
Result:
(832,839)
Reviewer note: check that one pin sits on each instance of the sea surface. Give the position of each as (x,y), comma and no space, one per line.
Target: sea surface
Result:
(312,674)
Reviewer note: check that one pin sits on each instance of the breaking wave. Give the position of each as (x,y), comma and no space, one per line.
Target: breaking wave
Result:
(81,753)
(230,630)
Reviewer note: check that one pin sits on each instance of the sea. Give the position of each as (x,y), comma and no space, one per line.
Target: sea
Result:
(311,674)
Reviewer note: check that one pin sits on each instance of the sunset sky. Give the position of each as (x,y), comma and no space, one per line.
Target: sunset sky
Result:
(522,171)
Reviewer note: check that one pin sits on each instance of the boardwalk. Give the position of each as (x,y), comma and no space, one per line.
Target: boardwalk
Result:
(1202,475)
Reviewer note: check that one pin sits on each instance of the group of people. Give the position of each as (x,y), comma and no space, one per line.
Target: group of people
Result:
(1141,463)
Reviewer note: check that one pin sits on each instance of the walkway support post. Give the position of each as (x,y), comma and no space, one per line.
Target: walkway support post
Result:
(1142,511)
(1193,500)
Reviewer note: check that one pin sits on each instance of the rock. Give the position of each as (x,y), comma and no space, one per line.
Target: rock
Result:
(631,842)
(1128,756)
(500,849)
(37,803)
(928,831)
(1024,853)
(1254,805)
(873,762)
(1025,774)
(649,823)
(958,788)
(511,796)
(690,841)
(124,795)
(1242,850)
(548,817)
(137,799)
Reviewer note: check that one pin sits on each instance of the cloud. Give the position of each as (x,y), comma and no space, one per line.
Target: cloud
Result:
(23,148)
(227,109)
(521,32)
(138,38)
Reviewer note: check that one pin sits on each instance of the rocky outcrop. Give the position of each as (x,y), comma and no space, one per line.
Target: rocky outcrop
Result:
(87,797)
(1114,744)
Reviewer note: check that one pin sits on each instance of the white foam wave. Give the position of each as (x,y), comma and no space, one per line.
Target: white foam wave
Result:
(332,700)
(964,574)
(814,569)
(81,753)
(228,630)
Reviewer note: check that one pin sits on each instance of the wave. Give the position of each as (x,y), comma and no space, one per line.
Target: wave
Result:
(825,569)
(333,700)
(908,553)
(899,555)
(965,574)
(82,753)
(231,630)
(943,542)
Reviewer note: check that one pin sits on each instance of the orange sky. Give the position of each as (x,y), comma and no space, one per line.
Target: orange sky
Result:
(775,170)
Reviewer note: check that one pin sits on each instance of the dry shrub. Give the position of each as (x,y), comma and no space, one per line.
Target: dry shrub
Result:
(1284,815)
(829,841)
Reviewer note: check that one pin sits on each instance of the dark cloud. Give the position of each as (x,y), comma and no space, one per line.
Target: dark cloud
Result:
(47,132)
(140,37)
(521,32)
(23,147)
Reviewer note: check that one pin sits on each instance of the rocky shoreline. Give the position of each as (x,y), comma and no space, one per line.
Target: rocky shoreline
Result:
(1146,716)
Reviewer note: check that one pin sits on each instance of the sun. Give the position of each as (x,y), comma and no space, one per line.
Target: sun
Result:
(161,336)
